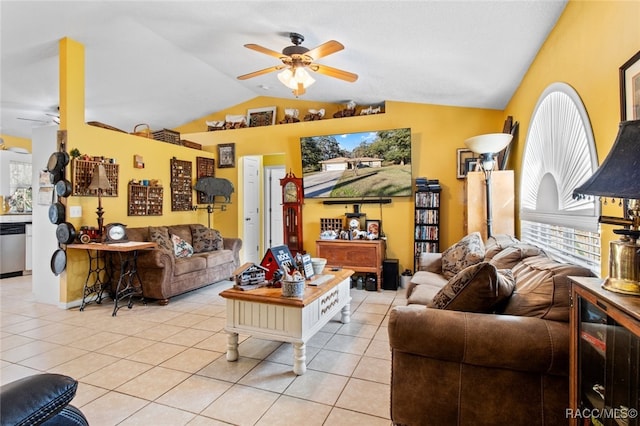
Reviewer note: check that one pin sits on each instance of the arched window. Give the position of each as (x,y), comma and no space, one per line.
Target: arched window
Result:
(559,155)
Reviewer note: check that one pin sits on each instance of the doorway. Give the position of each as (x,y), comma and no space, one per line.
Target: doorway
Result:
(251,210)
(273,230)
(261,216)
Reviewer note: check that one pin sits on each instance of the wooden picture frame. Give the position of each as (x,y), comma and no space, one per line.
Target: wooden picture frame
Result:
(510,127)
(226,155)
(470,165)
(463,155)
(630,89)
(373,228)
(258,117)
(503,156)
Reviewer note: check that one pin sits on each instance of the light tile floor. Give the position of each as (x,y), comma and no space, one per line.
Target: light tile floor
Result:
(166,365)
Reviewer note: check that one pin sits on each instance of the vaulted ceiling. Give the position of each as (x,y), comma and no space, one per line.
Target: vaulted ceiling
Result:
(169,62)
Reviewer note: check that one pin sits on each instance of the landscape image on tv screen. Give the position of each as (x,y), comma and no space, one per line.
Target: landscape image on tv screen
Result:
(357,165)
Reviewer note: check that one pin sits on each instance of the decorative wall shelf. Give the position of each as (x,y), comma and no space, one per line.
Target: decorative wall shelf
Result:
(82,172)
(181,191)
(324,119)
(205,167)
(145,200)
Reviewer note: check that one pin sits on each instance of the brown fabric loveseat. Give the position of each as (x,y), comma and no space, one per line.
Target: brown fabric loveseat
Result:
(164,275)
(487,346)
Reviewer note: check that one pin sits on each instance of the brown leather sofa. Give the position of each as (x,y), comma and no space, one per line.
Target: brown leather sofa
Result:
(164,275)
(484,363)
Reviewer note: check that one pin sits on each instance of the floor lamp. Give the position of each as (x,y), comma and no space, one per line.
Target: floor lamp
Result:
(619,177)
(488,146)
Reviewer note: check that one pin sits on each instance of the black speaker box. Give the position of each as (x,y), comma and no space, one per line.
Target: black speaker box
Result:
(390,274)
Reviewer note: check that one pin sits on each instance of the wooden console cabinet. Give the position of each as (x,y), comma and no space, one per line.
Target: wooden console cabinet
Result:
(605,355)
(359,255)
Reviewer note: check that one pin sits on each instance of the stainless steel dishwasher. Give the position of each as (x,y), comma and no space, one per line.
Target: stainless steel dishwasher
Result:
(12,249)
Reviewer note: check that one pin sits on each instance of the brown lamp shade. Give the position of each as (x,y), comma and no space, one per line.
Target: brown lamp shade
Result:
(99,178)
(619,174)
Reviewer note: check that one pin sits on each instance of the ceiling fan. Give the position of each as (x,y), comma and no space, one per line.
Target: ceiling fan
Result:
(296,59)
(55,118)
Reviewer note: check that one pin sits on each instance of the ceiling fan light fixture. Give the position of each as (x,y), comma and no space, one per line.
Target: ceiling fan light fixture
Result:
(291,77)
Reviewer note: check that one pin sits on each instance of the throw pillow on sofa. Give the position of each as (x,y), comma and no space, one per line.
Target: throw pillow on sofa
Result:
(160,236)
(543,289)
(496,243)
(206,239)
(181,248)
(478,288)
(512,255)
(466,252)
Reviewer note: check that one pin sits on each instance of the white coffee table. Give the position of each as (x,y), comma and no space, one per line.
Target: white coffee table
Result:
(264,313)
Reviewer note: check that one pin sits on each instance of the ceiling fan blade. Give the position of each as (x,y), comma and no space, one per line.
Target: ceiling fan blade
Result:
(32,119)
(325,49)
(334,72)
(264,50)
(260,72)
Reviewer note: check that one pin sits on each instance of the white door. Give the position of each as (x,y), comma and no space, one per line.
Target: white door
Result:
(273,231)
(251,211)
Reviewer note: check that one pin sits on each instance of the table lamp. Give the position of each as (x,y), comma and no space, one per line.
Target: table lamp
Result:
(99,182)
(488,146)
(619,177)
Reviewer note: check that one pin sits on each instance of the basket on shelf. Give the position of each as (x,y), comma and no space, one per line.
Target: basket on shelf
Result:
(167,135)
(145,133)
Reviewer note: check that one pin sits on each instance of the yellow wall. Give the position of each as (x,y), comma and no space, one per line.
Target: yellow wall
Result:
(585,50)
(14,141)
(121,146)
(437,132)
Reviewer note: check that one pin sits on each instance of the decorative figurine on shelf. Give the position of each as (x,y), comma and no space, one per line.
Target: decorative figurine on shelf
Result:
(290,116)
(354,230)
(314,115)
(349,111)
(329,234)
(371,110)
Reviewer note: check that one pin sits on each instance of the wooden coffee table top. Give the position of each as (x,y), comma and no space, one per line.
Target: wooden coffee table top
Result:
(274,295)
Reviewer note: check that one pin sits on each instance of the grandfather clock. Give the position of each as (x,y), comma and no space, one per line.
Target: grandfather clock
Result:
(292,200)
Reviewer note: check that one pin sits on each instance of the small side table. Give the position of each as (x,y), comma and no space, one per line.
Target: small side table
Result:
(102,271)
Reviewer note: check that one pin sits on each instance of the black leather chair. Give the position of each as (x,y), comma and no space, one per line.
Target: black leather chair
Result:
(42,399)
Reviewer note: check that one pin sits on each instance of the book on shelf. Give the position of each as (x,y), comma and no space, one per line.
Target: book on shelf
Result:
(424,184)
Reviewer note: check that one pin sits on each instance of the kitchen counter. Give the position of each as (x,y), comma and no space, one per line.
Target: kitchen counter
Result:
(15,217)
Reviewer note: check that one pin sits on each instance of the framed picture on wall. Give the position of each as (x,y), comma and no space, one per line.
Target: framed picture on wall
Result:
(463,155)
(226,155)
(630,89)
(470,165)
(261,117)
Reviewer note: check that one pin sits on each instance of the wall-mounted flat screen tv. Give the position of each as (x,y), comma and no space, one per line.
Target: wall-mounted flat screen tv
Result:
(357,165)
